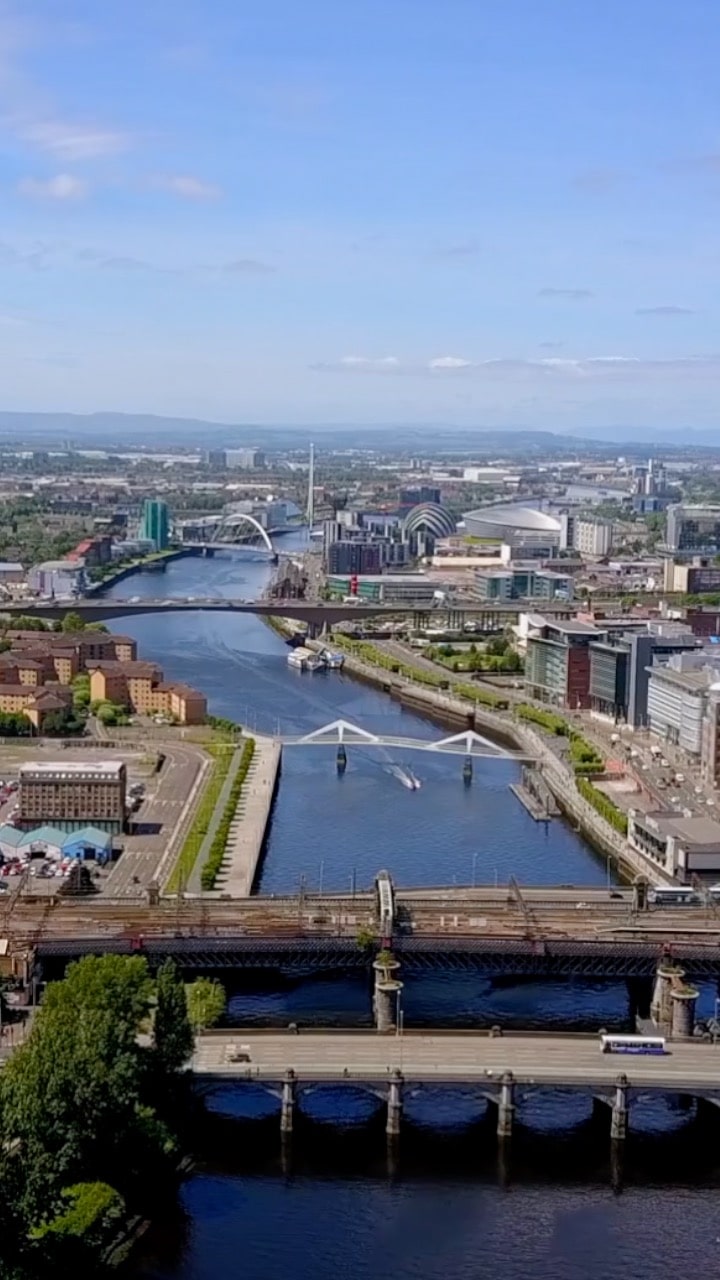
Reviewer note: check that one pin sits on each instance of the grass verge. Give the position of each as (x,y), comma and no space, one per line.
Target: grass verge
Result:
(213,862)
(221,759)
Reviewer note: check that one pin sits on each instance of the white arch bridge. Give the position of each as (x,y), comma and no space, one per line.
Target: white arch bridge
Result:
(227,529)
(342,733)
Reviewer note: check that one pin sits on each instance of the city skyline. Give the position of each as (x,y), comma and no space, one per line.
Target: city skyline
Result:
(487,215)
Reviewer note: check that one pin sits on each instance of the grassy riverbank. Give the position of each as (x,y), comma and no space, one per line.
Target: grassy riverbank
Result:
(222,756)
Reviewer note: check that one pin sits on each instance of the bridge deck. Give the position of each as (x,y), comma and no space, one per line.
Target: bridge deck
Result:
(570,1061)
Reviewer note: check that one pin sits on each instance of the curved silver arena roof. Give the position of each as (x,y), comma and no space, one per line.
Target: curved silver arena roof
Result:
(509,518)
(432,518)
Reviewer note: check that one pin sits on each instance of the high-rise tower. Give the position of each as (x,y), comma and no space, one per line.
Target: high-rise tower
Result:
(310,508)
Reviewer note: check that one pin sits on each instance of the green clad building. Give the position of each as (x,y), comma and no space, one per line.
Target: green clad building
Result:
(155,524)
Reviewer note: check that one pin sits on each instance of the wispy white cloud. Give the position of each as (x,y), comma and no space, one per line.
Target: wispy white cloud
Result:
(598,368)
(187,187)
(573,295)
(361,364)
(450,362)
(245,267)
(67,141)
(64,186)
(664,311)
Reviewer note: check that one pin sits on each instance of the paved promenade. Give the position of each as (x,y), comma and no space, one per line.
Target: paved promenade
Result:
(247,832)
(571,1061)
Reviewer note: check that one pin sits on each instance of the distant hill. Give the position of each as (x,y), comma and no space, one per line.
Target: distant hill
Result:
(120,431)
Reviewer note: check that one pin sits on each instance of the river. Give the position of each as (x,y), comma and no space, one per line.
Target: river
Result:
(444,1214)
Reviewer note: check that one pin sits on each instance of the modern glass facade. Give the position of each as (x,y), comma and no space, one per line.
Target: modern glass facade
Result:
(155,524)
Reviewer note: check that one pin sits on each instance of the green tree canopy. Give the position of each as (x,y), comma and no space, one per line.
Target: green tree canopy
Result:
(73,1096)
(205,1003)
(173,1034)
(72,622)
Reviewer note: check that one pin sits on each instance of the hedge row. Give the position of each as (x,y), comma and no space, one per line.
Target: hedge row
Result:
(181,872)
(476,694)
(584,757)
(603,805)
(546,719)
(369,653)
(213,862)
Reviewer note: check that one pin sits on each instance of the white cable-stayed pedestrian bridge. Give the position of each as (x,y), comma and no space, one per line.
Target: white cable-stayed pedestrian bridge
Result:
(342,733)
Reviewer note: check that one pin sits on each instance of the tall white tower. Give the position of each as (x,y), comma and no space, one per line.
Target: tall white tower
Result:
(310,508)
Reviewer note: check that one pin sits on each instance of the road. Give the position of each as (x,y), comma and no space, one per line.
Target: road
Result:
(159,822)
(574,1061)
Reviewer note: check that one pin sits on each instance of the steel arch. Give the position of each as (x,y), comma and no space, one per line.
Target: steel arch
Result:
(234,518)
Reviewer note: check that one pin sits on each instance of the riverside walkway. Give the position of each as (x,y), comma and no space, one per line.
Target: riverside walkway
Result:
(247,832)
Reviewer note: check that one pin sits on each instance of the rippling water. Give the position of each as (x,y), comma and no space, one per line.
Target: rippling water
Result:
(438,1217)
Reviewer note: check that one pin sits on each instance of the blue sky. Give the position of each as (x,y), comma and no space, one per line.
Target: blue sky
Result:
(481,212)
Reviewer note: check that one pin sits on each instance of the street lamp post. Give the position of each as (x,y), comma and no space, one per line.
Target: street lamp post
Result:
(474,868)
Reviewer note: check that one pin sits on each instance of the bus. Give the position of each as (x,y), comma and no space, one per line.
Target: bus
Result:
(673,895)
(632,1044)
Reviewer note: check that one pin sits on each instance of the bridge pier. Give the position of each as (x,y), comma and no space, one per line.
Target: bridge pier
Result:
(619,1120)
(386,992)
(341,759)
(467,772)
(506,1106)
(661,1005)
(683,1000)
(287,1106)
(394,1105)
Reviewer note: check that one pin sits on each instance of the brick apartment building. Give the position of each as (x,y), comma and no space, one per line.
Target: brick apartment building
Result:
(37,672)
(140,687)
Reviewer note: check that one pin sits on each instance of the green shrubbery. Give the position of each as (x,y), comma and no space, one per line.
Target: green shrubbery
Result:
(182,870)
(583,756)
(474,693)
(546,719)
(603,805)
(209,872)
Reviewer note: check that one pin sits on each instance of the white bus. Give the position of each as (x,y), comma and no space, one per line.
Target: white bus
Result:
(673,895)
(632,1044)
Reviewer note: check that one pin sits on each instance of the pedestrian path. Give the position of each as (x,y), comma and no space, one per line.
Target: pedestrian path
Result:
(247,830)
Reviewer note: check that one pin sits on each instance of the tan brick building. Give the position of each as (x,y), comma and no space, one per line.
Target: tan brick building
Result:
(140,687)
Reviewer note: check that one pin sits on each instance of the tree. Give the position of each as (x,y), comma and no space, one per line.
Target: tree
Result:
(62,723)
(205,1003)
(173,1035)
(73,1097)
(72,622)
(82,1228)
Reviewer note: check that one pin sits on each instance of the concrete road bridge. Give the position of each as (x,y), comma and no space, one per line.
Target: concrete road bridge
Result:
(316,614)
(502,1067)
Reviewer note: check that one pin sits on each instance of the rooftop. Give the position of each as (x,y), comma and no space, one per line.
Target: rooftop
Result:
(70,769)
(699,830)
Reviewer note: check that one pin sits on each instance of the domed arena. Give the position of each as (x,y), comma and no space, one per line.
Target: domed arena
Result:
(508,520)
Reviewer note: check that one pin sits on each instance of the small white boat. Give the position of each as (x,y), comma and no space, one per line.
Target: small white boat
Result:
(304,659)
(333,659)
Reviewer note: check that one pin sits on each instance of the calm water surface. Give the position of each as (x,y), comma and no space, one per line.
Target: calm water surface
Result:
(256,1221)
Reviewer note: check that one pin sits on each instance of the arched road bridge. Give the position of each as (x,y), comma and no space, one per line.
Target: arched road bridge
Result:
(232,529)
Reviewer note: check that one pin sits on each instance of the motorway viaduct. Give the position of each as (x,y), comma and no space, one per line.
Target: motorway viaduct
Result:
(100,608)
